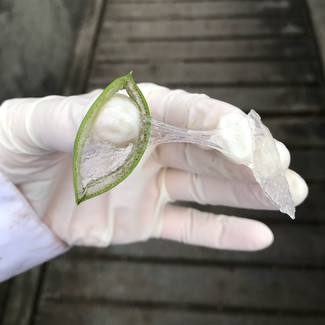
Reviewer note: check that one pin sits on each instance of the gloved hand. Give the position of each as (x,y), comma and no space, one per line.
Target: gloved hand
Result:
(36,144)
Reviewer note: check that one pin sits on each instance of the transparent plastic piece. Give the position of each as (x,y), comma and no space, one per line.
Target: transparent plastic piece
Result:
(264,160)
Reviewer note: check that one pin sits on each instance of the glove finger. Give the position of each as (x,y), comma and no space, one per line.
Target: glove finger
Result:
(183,109)
(204,162)
(45,124)
(194,227)
(184,186)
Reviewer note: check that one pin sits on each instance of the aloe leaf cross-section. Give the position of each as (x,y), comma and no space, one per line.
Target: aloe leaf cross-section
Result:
(102,162)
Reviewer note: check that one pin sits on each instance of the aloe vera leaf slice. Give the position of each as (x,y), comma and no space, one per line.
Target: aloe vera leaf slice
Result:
(99,185)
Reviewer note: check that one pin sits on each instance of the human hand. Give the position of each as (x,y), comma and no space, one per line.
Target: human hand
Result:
(37,137)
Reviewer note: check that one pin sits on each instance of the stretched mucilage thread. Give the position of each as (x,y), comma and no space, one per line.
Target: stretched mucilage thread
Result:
(265,161)
(165,133)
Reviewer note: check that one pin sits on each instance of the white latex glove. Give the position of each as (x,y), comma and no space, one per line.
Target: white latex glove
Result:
(36,144)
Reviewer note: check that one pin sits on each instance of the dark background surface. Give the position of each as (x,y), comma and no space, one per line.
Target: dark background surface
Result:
(264,55)
(37,42)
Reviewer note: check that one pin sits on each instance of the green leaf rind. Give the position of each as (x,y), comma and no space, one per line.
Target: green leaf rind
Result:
(136,95)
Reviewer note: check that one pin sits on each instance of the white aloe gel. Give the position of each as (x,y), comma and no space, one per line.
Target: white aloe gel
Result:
(119,121)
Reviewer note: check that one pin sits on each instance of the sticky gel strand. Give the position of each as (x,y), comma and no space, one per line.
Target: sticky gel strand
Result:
(264,162)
